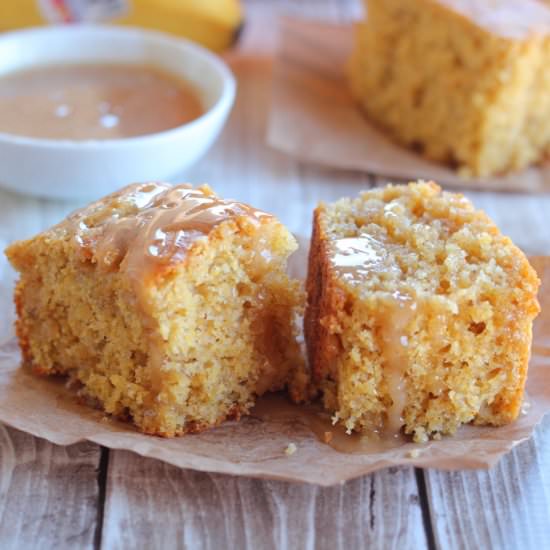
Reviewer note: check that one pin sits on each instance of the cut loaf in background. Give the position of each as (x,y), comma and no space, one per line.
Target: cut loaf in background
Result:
(465,82)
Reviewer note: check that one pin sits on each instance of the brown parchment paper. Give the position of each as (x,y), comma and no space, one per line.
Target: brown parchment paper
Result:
(314,118)
(44,407)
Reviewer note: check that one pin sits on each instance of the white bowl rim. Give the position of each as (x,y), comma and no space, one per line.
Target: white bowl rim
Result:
(226,96)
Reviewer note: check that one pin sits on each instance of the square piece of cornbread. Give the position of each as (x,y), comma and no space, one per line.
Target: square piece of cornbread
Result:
(419,313)
(465,82)
(168,305)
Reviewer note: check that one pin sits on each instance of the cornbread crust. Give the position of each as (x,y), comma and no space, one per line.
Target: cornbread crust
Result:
(419,313)
(461,81)
(177,323)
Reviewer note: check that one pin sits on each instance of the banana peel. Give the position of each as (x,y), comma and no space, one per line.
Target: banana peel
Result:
(213,23)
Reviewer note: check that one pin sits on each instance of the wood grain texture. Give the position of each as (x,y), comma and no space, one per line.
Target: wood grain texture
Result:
(48,494)
(507,507)
(153,505)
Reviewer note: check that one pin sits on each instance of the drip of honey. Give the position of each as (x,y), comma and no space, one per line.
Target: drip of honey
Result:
(151,224)
(277,408)
(354,260)
(394,320)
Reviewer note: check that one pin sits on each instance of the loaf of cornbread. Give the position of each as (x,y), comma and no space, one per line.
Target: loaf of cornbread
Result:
(419,313)
(465,82)
(167,305)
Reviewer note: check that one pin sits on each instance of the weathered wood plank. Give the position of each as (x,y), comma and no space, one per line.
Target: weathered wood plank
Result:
(153,505)
(150,504)
(48,494)
(507,507)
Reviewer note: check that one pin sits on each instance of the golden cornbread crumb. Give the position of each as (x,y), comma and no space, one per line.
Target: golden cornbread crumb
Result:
(464,82)
(166,304)
(419,313)
(291,449)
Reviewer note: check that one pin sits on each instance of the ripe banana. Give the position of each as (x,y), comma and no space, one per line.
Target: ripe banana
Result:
(212,23)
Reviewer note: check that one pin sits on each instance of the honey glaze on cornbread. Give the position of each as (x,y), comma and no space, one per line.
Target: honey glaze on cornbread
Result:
(394,320)
(357,257)
(354,259)
(154,226)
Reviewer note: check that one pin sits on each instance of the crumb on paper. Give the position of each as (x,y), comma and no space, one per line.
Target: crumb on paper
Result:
(291,449)
(437,436)
(415,453)
(327,437)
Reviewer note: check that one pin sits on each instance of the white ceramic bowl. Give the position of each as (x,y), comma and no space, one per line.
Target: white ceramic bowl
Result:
(86,169)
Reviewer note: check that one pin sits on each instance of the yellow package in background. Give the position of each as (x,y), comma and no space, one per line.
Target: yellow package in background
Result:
(212,23)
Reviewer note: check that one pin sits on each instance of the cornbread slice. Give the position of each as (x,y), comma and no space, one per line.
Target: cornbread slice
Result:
(167,304)
(465,82)
(419,313)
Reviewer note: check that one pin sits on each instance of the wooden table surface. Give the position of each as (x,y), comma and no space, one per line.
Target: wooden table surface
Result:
(85,496)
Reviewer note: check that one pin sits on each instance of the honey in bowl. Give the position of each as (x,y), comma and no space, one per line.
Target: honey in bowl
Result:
(95,102)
